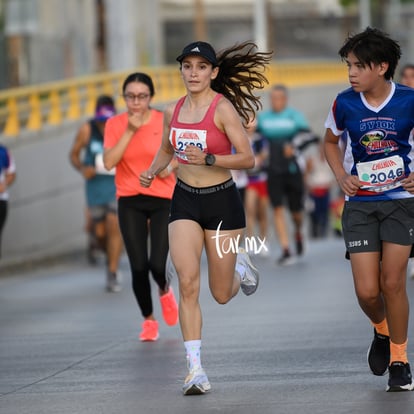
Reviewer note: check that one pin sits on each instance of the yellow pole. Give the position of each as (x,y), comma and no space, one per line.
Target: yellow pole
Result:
(90,99)
(73,112)
(55,114)
(34,123)
(12,126)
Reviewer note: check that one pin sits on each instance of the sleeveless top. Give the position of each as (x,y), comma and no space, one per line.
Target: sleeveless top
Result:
(100,190)
(203,134)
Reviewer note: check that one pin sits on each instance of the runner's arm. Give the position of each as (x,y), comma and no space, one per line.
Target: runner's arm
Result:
(349,183)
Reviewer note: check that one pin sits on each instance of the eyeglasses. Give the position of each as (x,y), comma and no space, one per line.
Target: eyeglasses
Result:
(130,97)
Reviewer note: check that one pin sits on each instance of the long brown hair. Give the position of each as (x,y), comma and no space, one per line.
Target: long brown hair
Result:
(241,71)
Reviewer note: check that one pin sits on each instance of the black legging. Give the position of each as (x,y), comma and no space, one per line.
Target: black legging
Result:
(3,215)
(137,215)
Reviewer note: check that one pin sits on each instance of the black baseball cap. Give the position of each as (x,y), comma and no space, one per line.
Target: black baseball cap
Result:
(202,49)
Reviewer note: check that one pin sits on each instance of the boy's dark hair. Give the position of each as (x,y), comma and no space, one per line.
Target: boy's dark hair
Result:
(372,46)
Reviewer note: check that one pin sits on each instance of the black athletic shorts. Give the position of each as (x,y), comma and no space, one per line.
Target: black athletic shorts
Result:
(286,188)
(367,224)
(209,206)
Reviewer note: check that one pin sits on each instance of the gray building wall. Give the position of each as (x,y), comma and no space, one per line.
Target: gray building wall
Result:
(60,36)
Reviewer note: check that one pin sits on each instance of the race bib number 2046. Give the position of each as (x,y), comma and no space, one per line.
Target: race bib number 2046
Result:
(381,175)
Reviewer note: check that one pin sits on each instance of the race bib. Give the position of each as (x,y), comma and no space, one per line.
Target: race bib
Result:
(180,138)
(381,175)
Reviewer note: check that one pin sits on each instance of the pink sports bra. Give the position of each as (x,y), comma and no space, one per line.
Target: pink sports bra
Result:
(203,134)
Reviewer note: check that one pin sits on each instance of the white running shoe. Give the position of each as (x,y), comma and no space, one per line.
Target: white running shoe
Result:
(196,382)
(250,279)
(113,281)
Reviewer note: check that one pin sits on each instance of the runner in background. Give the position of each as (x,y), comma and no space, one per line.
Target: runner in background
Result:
(7,177)
(285,183)
(256,199)
(132,139)
(320,182)
(407,79)
(241,180)
(407,75)
(86,156)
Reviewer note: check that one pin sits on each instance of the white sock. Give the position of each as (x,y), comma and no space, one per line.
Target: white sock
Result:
(193,350)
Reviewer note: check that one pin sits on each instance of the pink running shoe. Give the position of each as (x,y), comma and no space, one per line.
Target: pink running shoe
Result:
(169,307)
(149,331)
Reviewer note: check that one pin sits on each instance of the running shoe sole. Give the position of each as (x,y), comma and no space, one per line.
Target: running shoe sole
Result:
(153,339)
(400,388)
(196,383)
(400,379)
(197,389)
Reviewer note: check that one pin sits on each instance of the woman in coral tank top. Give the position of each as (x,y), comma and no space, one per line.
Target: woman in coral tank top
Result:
(206,211)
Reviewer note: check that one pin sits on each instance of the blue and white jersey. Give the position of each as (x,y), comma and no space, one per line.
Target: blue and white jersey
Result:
(7,166)
(378,141)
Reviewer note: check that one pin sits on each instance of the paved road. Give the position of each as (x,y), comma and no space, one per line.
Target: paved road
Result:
(297,346)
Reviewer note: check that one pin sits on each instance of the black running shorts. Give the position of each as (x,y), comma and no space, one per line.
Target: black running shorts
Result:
(286,188)
(366,224)
(209,206)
